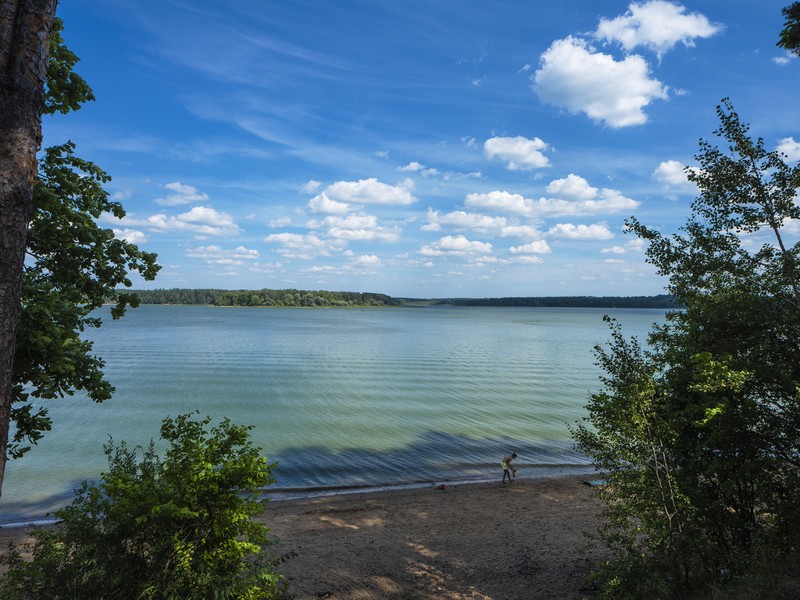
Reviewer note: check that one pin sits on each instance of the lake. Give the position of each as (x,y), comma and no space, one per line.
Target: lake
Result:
(340,398)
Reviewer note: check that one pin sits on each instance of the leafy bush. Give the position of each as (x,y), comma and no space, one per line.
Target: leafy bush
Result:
(176,527)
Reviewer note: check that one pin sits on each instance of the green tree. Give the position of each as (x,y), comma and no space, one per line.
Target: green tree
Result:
(790,35)
(74,266)
(177,527)
(700,435)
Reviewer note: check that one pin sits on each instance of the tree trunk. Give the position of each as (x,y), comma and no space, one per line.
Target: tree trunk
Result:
(24,50)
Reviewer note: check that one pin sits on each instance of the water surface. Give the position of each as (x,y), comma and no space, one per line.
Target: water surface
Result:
(338,397)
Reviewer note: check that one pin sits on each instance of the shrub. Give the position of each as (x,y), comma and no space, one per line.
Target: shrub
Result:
(176,527)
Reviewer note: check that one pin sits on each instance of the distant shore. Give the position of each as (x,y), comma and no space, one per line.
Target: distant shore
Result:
(292,298)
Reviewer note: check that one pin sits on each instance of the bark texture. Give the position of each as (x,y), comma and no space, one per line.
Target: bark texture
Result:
(24,50)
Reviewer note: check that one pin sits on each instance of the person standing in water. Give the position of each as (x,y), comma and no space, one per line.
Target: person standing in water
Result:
(508,470)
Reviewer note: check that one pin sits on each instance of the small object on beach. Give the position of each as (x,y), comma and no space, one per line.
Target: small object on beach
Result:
(441,487)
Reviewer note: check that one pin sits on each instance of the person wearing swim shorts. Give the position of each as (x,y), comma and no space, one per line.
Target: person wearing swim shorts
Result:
(508,470)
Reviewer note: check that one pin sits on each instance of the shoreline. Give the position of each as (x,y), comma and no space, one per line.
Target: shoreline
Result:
(456,541)
(276,493)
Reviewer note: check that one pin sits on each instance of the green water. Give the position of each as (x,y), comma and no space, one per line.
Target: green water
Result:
(339,397)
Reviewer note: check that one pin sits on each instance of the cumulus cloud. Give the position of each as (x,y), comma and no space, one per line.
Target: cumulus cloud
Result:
(597,231)
(519,231)
(322,203)
(572,187)
(295,245)
(575,76)
(528,259)
(670,172)
(369,260)
(369,191)
(501,201)
(657,25)
(587,201)
(355,227)
(378,234)
(464,220)
(415,167)
(634,245)
(181,194)
(133,236)
(673,175)
(457,245)
(535,247)
(790,148)
(521,153)
(199,220)
(215,255)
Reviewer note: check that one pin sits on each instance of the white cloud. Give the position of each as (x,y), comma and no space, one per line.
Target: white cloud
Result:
(790,148)
(295,245)
(182,194)
(572,187)
(355,227)
(199,220)
(367,260)
(597,231)
(670,172)
(310,186)
(521,153)
(574,76)
(349,222)
(673,175)
(502,201)
(133,236)
(784,60)
(464,220)
(634,245)
(457,245)
(608,201)
(519,231)
(323,204)
(657,25)
(415,167)
(535,247)
(528,259)
(214,255)
(369,191)
(379,234)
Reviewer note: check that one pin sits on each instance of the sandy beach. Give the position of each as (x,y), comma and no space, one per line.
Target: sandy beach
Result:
(476,541)
(471,541)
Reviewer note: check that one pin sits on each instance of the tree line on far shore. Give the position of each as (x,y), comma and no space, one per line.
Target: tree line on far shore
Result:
(316,298)
(263,297)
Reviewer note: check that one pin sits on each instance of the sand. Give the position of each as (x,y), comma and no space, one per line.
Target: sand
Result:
(476,541)
(472,541)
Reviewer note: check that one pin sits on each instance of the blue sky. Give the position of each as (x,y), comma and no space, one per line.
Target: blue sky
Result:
(419,148)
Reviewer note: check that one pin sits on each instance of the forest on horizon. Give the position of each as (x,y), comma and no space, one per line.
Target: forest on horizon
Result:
(322,298)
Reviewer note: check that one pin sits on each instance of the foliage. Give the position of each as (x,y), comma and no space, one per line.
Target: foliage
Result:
(790,35)
(320,298)
(660,301)
(263,297)
(173,527)
(73,266)
(699,436)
